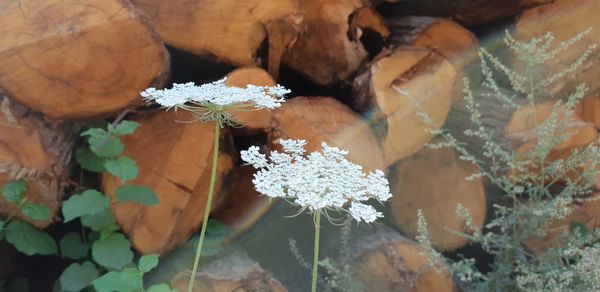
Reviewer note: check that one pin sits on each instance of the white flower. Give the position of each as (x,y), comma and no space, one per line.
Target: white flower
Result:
(319,180)
(217,94)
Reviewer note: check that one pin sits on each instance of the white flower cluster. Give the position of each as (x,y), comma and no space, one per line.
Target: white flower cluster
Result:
(217,94)
(318,181)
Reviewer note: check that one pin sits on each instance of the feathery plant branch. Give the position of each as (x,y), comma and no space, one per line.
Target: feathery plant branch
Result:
(540,190)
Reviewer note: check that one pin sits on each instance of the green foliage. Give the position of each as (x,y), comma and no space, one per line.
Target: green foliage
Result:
(109,266)
(535,198)
(78,276)
(89,202)
(14,190)
(24,237)
(28,239)
(72,247)
(113,251)
(137,194)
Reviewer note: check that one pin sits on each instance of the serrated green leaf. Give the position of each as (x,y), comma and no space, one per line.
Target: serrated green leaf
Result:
(123,167)
(103,144)
(29,240)
(125,128)
(14,190)
(127,280)
(89,202)
(78,276)
(95,132)
(89,160)
(137,194)
(103,221)
(112,252)
(109,147)
(160,288)
(38,212)
(148,262)
(72,247)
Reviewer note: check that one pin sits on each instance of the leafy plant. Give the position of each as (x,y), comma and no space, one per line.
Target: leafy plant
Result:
(111,265)
(24,237)
(538,189)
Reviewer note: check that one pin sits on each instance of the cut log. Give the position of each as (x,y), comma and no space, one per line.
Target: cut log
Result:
(37,152)
(437,196)
(324,119)
(382,260)
(470,12)
(235,271)
(77,60)
(329,48)
(447,38)
(565,19)
(230,31)
(390,85)
(174,159)
(585,214)
(241,77)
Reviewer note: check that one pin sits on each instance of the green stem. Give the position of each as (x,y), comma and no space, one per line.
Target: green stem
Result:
(211,189)
(316,253)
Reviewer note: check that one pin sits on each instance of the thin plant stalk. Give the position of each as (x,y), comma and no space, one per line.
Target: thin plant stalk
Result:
(211,189)
(316,253)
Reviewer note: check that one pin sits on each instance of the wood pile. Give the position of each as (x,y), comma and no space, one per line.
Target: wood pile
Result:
(365,70)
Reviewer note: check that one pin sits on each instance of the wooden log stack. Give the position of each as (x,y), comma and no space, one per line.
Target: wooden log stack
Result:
(373,67)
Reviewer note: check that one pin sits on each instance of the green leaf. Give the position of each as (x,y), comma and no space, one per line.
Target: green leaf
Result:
(103,144)
(14,190)
(125,128)
(137,194)
(122,167)
(2,225)
(113,252)
(38,212)
(129,279)
(76,277)
(103,221)
(160,288)
(89,160)
(148,262)
(89,202)
(29,240)
(72,247)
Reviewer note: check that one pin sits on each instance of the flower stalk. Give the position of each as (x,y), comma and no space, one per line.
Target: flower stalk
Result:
(316,252)
(211,190)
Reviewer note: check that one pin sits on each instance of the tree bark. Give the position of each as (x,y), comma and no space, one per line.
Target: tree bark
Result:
(37,152)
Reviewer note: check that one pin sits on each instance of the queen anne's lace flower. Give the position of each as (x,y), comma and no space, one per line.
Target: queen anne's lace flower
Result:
(217,94)
(318,181)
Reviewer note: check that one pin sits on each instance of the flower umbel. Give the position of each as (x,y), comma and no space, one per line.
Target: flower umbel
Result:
(210,101)
(319,180)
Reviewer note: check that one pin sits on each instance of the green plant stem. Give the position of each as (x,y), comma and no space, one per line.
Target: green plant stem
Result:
(316,253)
(211,189)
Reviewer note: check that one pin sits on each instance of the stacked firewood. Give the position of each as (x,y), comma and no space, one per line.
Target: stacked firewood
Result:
(67,62)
